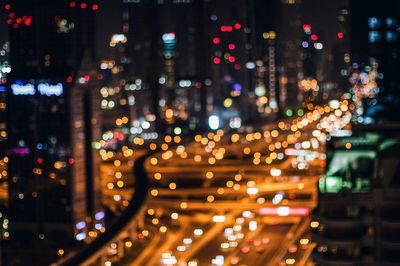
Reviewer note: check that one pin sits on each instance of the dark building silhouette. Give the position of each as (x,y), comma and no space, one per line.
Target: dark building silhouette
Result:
(375,37)
(356,221)
(53,122)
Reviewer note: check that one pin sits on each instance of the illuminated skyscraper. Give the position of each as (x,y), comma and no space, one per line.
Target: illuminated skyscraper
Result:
(267,40)
(289,33)
(233,58)
(341,50)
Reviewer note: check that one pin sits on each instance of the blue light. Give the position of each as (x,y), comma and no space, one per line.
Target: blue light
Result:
(169,40)
(304,44)
(390,36)
(80,236)
(374,22)
(390,22)
(374,36)
(49,90)
(169,37)
(19,89)
(98,226)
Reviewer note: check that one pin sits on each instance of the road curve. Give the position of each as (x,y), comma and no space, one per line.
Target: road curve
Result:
(94,249)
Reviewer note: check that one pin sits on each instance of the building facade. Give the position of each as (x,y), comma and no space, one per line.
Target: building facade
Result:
(375,42)
(357,221)
(52,121)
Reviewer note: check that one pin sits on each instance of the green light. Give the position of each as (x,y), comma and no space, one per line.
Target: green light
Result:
(387,144)
(300,112)
(330,184)
(289,112)
(96,145)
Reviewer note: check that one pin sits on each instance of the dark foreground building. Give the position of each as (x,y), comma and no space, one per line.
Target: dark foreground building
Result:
(375,40)
(52,121)
(357,221)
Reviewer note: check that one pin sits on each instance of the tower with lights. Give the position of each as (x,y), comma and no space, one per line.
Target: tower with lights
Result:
(233,58)
(290,59)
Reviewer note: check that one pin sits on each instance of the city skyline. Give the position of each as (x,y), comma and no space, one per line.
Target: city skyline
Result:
(199,132)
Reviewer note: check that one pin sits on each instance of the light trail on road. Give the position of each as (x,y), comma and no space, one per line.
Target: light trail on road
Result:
(230,198)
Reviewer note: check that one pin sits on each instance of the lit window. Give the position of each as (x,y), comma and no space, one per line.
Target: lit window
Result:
(374,36)
(390,36)
(290,2)
(374,23)
(390,22)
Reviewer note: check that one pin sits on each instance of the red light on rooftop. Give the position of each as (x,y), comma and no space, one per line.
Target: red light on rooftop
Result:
(231,46)
(216,60)
(72,4)
(340,35)
(7,6)
(99,76)
(83,5)
(11,15)
(71,160)
(39,160)
(306,27)
(238,26)
(198,85)
(237,66)
(9,21)
(87,77)
(223,28)
(216,40)
(314,37)
(231,59)
(27,20)
(69,79)
(18,20)
(229,28)
(95,7)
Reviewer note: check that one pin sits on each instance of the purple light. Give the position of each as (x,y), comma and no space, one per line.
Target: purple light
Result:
(227,78)
(304,44)
(99,215)
(20,151)
(237,87)
(80,225)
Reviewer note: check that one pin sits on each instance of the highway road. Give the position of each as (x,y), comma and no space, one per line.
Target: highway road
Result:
(224,198)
